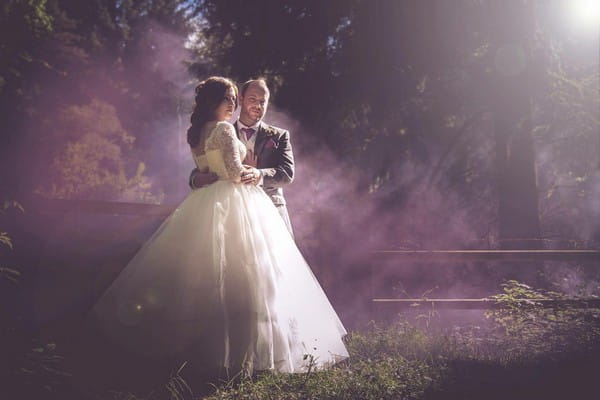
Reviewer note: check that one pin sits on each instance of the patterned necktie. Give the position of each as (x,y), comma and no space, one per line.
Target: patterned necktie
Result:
(248,132)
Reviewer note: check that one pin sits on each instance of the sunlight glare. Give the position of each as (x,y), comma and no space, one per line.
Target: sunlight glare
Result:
(586,12)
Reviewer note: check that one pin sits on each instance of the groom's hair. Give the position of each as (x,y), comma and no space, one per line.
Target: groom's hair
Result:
(261,82)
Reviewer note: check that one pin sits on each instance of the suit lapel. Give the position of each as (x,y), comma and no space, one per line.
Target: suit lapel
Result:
(261,139)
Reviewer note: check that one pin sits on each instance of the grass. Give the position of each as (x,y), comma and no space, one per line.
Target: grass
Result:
(378,368)
(523,352)
(526,352)
(400,361)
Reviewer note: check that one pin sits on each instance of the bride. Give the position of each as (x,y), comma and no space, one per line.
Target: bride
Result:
(222,277)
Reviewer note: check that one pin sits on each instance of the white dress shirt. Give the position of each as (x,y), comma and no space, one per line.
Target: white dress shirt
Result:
(250,143)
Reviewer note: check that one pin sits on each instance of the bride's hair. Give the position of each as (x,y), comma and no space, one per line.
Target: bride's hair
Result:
(209,94)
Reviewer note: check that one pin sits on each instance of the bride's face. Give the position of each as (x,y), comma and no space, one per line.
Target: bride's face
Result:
(226,108)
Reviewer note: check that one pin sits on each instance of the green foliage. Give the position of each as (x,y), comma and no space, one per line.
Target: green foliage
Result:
(409,92)
(402,339)
(40,366)
(22,25)
(7,273)
(176,388)
(526,328)
(386,362)
(389,378)
(402,361)
(58,55)
(569,179)
(10,204)
(31,368)
(5,239)
(93,162)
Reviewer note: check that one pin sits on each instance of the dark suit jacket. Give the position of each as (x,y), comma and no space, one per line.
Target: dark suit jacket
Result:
(275,160)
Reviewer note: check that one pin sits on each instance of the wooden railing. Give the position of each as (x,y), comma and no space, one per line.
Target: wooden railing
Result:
(61,206)
(589,258)
(489,255)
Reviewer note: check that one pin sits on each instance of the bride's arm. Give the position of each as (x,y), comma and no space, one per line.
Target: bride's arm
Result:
(227,142)
(200,178)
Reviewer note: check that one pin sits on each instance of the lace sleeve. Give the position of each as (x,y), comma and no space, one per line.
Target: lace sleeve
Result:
(225,139)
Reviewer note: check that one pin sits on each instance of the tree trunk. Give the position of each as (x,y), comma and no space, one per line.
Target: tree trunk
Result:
(513,86)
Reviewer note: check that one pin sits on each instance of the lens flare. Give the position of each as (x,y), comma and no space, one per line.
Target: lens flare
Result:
(586,12)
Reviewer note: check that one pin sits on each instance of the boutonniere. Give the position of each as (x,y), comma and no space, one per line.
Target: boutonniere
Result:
(269,131)
(271,144)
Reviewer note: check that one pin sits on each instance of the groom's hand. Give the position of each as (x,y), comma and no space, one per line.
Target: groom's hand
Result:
(200,179)
(250,175)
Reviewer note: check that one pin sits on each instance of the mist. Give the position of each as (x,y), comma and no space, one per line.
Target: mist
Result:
(420,202)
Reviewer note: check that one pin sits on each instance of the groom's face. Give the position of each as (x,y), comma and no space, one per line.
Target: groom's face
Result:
(254,104)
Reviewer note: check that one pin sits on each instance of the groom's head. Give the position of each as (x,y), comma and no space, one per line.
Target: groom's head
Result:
(254,100)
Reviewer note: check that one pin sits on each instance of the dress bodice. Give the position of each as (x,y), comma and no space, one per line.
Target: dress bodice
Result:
(200,161)
(223,153)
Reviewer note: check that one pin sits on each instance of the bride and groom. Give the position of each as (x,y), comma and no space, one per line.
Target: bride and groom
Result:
(222,277)
(268,148)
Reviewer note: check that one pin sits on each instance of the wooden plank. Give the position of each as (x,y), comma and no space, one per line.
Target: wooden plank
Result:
(64,206)
(590,255)
(484,303)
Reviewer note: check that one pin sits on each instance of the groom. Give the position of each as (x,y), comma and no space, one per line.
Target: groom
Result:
(269,161)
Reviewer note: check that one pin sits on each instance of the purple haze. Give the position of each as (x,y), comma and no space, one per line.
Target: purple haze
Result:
(337,222)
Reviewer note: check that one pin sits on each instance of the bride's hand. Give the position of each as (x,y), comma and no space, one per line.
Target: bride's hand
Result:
(250,175)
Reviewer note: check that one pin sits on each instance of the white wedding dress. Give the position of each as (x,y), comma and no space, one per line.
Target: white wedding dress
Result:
(223,280)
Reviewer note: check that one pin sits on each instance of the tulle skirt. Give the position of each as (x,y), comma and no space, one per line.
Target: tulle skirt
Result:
(222,279)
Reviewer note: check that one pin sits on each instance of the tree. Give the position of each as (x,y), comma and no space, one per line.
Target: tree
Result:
(66,54)
(22,26)
(512,89)
(420,97)
(93,163)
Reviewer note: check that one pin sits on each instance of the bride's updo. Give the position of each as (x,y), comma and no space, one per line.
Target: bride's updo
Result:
(209,95)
